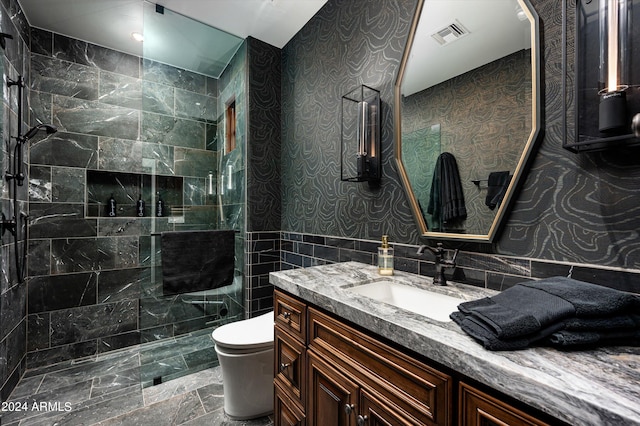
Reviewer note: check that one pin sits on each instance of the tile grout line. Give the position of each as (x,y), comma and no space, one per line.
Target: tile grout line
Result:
(204,409)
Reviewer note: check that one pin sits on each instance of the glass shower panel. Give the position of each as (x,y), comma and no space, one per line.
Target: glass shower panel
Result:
(182,63)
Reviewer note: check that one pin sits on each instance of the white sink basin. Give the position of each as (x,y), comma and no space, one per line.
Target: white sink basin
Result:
(423,302)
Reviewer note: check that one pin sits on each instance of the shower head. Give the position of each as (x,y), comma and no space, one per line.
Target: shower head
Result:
(18,174)
(32,132)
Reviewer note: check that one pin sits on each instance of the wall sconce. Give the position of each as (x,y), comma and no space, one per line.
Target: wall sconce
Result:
(607,75)
(360,136)
(613,20)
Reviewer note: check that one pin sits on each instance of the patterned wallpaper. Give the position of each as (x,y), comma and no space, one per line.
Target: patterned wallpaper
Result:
(263,168)
(572,208)
(346,44)
(262,245)
(575,207)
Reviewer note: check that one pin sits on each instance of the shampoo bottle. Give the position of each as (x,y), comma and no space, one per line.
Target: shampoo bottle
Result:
(385,257)
(159,206)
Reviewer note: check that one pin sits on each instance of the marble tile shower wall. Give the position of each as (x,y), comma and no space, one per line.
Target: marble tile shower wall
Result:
(92,286)
(232,87)
(12,293)
(299,250)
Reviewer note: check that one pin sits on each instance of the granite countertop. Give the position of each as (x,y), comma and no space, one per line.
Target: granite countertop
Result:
(595,387)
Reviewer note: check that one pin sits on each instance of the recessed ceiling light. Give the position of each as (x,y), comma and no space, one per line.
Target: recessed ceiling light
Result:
(137,36)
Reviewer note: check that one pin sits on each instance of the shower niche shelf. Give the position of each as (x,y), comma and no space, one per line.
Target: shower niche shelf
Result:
(126,189)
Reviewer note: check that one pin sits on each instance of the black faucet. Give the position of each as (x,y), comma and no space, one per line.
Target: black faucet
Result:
(441,262)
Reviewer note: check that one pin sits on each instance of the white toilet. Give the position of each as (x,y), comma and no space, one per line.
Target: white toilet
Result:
(245,352)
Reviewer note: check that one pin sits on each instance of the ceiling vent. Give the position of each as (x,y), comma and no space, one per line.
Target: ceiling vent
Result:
(450,33)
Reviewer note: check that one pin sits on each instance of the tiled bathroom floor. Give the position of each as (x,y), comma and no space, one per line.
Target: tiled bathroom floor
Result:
(107,390)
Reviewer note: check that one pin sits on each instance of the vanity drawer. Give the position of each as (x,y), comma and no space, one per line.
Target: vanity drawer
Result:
(289,365)
(286,412)
(290,314)
(415,389)
(479,409)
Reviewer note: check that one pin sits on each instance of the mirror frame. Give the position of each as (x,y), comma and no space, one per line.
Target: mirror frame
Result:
(519,171)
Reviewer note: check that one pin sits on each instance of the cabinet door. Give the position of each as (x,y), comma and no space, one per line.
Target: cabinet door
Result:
(286,412)
(331,398)
(479,409)
(374,412)
(423,393)
(289,365)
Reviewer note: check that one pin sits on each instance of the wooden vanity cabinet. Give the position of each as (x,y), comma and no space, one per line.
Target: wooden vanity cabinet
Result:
(413,392)
(290,317)
(286,412)
(328,373)
(290,363)
(332,395)
(335,399)
(478,408)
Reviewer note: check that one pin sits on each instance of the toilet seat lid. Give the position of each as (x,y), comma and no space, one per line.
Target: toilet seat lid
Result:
(245,334)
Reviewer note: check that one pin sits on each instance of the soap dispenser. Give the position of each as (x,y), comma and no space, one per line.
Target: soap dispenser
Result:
(385,257)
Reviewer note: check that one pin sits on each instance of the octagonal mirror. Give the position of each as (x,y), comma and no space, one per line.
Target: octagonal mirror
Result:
(467,113)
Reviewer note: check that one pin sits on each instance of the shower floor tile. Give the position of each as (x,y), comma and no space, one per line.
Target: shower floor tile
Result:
(108,391)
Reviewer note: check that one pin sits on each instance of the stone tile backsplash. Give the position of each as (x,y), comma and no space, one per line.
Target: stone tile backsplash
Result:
(480,269)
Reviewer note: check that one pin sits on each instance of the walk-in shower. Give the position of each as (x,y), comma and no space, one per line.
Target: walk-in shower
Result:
(127,128)
(211,71)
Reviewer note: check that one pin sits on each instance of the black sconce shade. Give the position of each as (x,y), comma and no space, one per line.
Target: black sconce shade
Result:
(606,74)
(360,136)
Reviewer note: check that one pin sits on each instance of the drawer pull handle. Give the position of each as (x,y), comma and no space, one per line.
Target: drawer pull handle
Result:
(286,315)
(284,366)
(348,408)
(362,420)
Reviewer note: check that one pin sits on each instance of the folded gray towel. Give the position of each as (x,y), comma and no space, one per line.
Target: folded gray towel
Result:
(490,341)
(589,300)
(570,333)
(578,339)
(616,322)
(532,311)
(518,311)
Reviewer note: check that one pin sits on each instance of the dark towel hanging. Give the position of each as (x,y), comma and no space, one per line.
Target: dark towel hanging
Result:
(446,201)
(497,185)
(197,260)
